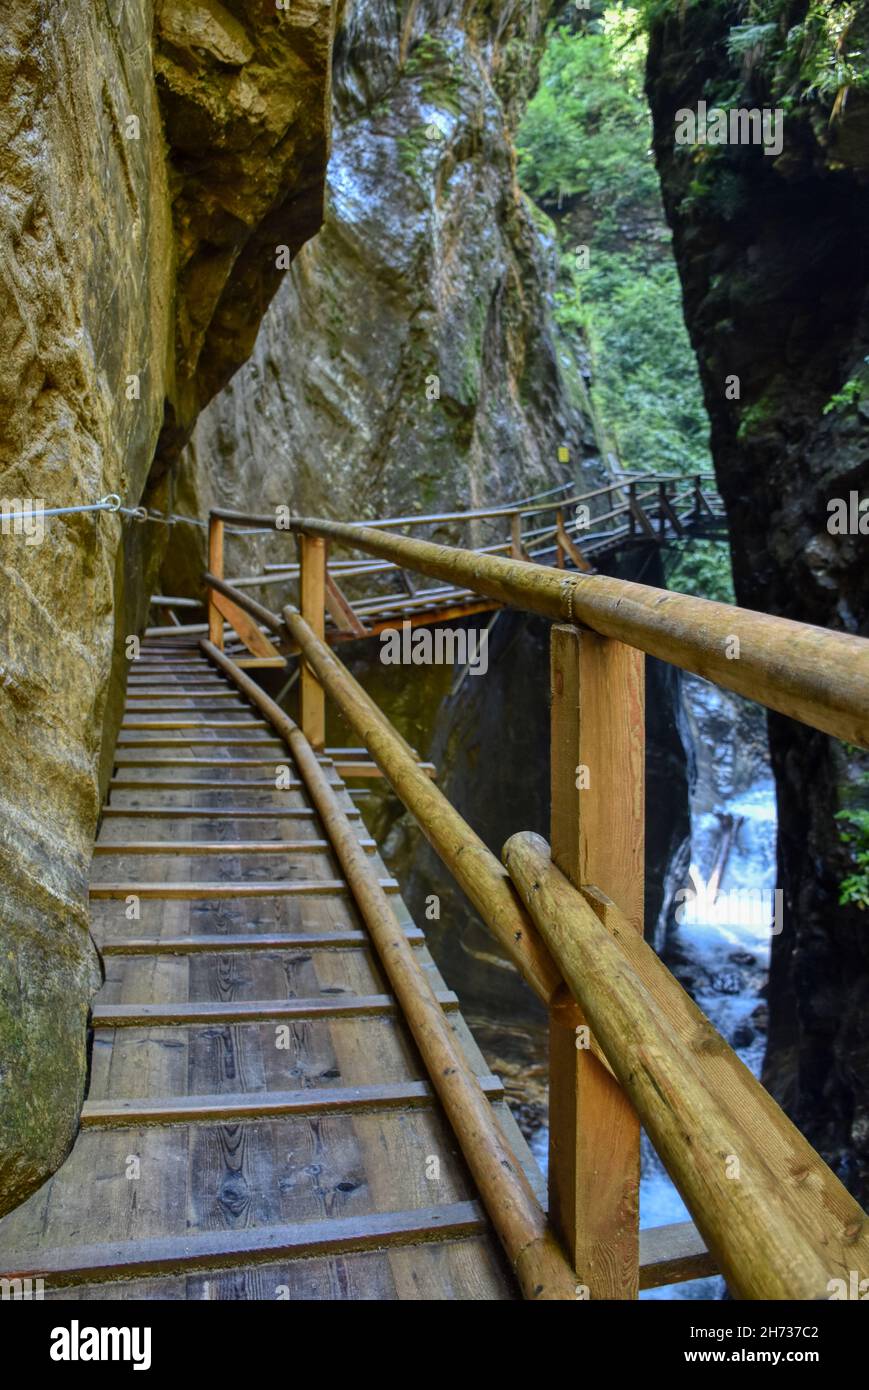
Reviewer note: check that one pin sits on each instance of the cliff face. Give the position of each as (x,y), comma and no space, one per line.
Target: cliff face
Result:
(151,158)
(245,99)
(771,250)
(407,361)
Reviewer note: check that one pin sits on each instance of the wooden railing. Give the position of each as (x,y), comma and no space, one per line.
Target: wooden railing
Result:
(644,507)
(627,1045)
(809,673)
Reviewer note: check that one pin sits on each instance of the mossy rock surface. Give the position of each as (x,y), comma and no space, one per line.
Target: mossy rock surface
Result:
(152,157)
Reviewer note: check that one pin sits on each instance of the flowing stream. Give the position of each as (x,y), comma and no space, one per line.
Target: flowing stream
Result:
(719,950)
(725,962)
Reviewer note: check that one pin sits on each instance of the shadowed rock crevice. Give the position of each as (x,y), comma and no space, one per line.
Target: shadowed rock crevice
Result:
(244,94)
(772,257)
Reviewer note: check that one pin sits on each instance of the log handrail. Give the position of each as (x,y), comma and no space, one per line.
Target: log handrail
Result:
(777,1220)
(537,1260)
(786,1225)
(812,674)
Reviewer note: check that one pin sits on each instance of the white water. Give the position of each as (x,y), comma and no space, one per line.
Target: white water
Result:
(709,948)
(721,959)
(727,990)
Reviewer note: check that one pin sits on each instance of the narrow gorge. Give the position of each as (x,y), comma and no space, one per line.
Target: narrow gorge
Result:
(444,270)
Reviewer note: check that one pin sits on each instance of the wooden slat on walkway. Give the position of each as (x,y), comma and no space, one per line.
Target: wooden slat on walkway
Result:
(259,1124)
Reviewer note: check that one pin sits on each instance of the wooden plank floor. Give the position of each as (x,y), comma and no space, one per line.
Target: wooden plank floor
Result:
(258,1124)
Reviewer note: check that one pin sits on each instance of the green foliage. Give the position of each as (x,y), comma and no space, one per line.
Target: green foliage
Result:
(808,53)
(701,568)
(429,51)
(646,385)
(586,133)
(585,155)
(432,60)
(855,888)
(849,395)
(821,56)
(755,418)
(417,154)
(751,39)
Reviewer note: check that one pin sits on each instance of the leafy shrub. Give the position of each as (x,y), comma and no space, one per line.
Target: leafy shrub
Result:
(855,888)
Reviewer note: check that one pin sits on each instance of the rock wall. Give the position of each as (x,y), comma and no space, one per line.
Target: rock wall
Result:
(430,272)
(245,95)
(407,362)
(772,255)
(150,160)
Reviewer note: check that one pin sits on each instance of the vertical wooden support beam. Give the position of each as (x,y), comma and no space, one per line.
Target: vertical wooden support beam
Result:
(597,834)
(517,550)
(568,547)
(312,585)
(215,565)
(701,503)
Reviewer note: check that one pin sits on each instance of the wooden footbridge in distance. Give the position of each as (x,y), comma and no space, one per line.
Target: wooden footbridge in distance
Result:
(569,530)
(285,1101)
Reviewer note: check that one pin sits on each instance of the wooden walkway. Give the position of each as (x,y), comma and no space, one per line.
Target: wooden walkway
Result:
(258,1123)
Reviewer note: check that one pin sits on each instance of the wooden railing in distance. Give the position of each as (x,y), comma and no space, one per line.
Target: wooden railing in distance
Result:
(665,493)
(650,481)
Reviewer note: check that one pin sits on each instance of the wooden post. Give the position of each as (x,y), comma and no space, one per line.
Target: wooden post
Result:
(700,503)
(312,587)
(215,565)
(598,756)
(517,550)
(775,1217)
